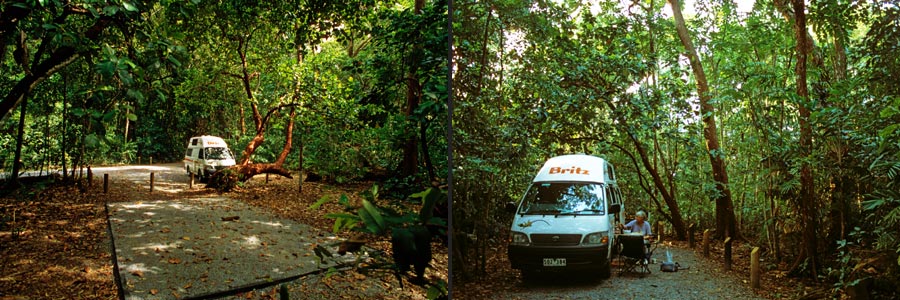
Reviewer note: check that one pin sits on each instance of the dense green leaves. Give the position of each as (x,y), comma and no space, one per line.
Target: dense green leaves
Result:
(169,70)
(533,80)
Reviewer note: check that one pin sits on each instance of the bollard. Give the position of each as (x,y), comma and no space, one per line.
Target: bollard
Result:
(706,243)
(139,160)
(754,268)
(728,254)
(105,183)
(151,160)
(267,178)
(151,182)
(191,183)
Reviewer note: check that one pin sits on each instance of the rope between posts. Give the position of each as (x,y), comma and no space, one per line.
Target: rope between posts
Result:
(112,247)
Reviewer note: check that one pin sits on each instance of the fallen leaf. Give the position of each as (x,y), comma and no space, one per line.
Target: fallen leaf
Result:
(174,260)
(165,230)
(137,273)
(186,238)
(189,285)
(154,291)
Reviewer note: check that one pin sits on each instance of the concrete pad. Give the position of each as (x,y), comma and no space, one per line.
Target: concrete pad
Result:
(177,249)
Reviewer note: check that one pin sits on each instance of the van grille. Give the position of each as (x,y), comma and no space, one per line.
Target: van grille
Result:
(542,239)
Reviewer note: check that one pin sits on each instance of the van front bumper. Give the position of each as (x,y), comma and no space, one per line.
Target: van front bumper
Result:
(577,257)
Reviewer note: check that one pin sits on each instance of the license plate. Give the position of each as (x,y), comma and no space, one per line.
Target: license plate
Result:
(554,262)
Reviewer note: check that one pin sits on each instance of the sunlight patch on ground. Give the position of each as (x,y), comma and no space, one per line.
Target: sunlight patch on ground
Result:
(158,246)
(180,206)
(251,242)
(139,267)
(138,206)
(273,224)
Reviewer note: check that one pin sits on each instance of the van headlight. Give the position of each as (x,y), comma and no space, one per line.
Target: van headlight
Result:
(518,239)
(598,238)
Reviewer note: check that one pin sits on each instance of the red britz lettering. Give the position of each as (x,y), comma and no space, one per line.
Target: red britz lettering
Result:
(572,170)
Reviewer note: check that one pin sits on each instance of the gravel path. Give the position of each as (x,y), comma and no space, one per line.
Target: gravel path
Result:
(701,280)
(205,245)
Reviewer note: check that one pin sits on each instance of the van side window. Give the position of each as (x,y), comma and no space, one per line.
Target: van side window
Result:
(609,195)
(618,195)
(193,142)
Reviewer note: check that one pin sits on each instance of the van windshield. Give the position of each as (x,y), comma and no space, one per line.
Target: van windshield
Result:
(218,153)
(564,198)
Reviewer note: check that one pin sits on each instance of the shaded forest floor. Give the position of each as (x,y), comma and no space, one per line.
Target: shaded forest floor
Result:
(54,242)
(700,274)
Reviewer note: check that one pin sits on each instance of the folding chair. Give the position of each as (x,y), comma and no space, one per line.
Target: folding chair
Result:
(634,254)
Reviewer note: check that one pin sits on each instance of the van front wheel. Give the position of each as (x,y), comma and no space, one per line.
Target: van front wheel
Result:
(605,271)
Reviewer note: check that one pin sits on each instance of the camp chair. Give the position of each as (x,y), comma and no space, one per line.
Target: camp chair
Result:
(634,254)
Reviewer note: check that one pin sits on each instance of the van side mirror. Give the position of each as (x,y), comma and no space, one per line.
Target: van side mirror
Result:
(615,208)
(511,207)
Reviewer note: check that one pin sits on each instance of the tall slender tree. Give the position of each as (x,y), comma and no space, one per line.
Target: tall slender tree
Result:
(725,223)
(808,218)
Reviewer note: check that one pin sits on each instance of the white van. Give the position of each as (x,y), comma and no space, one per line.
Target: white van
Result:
(566,219)
(206,155)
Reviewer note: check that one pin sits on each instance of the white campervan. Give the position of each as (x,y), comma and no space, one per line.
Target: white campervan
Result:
(566,219)
(206,155)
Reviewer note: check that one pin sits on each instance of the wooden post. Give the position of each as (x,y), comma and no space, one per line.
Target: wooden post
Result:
(151,160)
(267,178)
(151,182)
(300,166)
(658,229)
(105,183)
(706,243)
(90,177)
(754,268)
(691,235)
(191,183)
(728,253)
(139,160)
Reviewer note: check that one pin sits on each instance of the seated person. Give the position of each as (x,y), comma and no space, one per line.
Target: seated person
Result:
(639,225)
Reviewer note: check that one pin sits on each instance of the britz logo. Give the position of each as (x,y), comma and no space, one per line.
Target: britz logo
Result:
(572,170)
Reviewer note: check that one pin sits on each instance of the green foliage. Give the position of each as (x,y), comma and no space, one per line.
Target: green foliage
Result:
(437,291)
(379,220)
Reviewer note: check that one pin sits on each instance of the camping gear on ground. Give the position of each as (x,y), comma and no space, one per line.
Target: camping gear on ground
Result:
(668,265)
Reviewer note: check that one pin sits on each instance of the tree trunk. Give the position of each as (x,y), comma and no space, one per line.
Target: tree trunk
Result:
(13,180)
(423,130)
(725,223)
(674,211)
(674,216)
(807,208)
(410,164)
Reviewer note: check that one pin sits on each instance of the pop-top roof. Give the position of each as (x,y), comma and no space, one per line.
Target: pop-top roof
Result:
(576,167)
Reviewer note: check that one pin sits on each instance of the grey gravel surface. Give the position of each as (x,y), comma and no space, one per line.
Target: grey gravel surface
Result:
(699,281)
